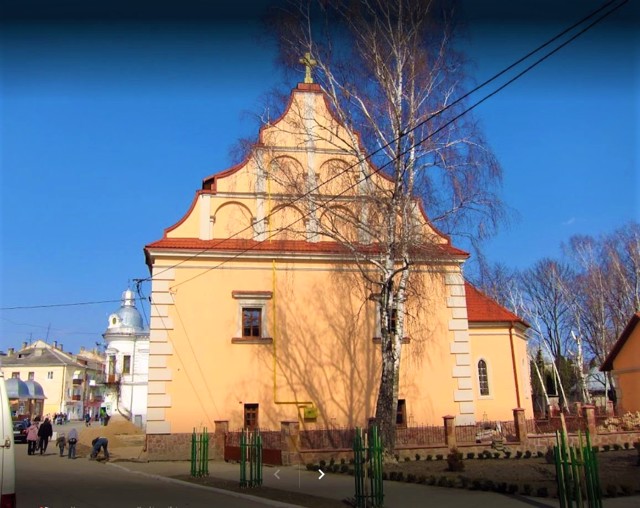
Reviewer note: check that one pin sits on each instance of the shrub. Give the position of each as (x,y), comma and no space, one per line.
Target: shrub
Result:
(352,461)
(344,468)
(518,454)
(540,455)
(550,457)
(312,467)
(526,489)
(627,490)
(611,490)
(626,446)
(595,449)
(464,481)
(422,479)
(475,485)
(343,461)
(431,480)
(507,454)
(488,485)
(442,481)
(501,487)
(332,461)
(606,447)
(496,455)
(450,483)
(400,476)
(429,457)
(439,456)
(471,455)
(542,492)
(617,447)
(512,488)
(323,464)
(487,454)
(527,454)
(411,478)
(417,457)
(407,459)
(393,476)
(334,468)
(352,472)
(454,461)
(385,477)
(397,457)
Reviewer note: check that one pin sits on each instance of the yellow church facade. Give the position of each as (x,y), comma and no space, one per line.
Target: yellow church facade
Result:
(259,318)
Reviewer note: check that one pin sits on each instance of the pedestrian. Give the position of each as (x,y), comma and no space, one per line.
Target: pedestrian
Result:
(61,442)
(44,433)
(87,419)
(99,442)
(73,439)
(32,437)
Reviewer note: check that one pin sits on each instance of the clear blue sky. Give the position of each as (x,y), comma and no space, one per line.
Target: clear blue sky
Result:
(112,117)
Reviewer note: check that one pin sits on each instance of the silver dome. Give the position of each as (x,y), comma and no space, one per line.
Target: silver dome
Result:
(127,319)
(16,388)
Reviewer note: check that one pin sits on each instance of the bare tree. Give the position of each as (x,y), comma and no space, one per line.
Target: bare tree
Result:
(390,73)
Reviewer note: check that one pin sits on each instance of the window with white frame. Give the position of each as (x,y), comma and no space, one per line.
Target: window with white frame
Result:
(483,378)
(252,316)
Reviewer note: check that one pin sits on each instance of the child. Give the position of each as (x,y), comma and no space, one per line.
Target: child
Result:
(61,442)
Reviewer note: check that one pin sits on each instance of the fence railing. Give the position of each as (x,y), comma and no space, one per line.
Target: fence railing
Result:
(327,439)
(271,439)
(424,435)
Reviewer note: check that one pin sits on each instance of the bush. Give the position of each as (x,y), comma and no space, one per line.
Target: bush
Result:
(464,481)
(501,487)
(518,454)
(332,461)
(611,490)
(312,467)
(606,447)
(627,490)
(400,476)
(540,455)
(417,457)
(512,488)
(431,480)
(454,461)
(542,492)
(439,456)
(617,447)
(550,457)
(595,449)
(450,483)
(344,468)
(496,455)
(626,446)
(526,489)
(343,461)
(429,457)
(442,481)
(411,478)
(471,455)
(475,485)
(385,477)
(507,454)
(488,485)
(486,454)
(393,476)
(422,479)
(397,457)
(527,454)
(352,472)
(323,464)
(407,459)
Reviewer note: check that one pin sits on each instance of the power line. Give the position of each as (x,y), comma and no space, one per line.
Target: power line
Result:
(75,304)
(417,126)
(494,92)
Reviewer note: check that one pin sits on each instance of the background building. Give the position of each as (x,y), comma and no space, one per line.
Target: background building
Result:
(127,356)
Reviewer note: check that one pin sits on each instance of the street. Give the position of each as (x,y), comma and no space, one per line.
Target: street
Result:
(57,482)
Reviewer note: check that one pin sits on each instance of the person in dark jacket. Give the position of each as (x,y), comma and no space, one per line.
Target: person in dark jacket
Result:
(44,433)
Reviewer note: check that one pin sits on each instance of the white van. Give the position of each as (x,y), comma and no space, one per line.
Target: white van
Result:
(7,451)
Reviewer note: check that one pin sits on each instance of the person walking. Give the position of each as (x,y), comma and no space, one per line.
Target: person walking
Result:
(44,433)
(87,420)
(73,440)
(61,442)
(32,437)
(99,442)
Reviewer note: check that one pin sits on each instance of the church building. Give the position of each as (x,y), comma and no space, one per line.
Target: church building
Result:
(258,318)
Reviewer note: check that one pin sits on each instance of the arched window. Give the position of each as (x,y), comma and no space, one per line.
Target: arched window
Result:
(483,379)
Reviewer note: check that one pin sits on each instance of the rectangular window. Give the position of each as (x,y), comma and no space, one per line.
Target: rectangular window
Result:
(401,414)
(32,376)
(15,375)
(112,365)
(251,322)
(251,416)
(126,364)
(50,374)
(393,321)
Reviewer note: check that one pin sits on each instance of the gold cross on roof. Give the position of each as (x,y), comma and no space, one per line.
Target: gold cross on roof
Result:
(309,63)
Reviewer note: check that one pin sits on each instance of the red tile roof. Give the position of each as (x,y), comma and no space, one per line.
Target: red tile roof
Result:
(482,309)
(293,246)
(617,347)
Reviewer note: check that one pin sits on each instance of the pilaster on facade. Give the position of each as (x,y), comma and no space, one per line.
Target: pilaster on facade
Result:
(160,349)
(460,347)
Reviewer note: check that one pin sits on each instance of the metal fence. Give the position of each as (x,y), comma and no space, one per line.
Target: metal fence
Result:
(271,439)
(424,435)
(327,439)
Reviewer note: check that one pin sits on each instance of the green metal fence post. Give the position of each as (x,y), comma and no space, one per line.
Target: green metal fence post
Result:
(193,453)
(243,460)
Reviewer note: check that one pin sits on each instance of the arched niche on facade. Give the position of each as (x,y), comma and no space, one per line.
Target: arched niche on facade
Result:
(232,219)
(286,175)
(339,223)
(287,222)
(337,177)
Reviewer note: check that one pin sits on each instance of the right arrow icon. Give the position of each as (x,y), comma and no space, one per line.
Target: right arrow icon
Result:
(321,474)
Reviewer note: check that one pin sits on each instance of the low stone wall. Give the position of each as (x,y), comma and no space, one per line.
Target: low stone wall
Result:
(174,447)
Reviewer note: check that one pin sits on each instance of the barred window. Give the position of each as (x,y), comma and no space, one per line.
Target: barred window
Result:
(483,379)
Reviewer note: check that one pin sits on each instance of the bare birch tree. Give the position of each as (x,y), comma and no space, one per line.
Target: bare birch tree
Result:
(389,71)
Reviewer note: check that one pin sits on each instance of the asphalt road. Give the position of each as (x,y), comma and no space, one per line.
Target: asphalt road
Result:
(57,482)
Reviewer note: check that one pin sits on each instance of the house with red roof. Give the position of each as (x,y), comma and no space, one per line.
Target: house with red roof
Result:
(623,362)
(260,315)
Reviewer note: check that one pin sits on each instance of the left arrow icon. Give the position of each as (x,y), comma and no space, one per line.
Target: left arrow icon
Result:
(321,474)
(276,474)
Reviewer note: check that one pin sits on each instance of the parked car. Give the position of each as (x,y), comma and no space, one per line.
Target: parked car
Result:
(19,432)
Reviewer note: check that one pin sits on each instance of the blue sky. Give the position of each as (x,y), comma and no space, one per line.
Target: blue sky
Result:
(112,117)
